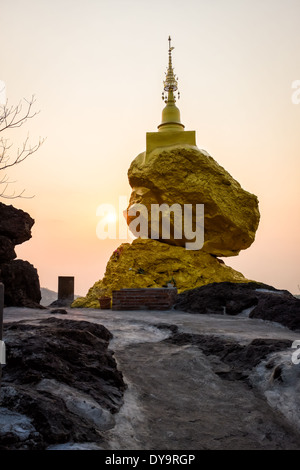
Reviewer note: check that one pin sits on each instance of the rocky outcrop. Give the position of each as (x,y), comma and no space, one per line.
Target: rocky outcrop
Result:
(21,281)
(258,300)
(282,309)
(149,263)
(7,250)
(186,175)
(20,278)
(15,224)
(60,384)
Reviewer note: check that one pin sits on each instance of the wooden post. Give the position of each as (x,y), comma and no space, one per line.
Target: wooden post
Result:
(66,288)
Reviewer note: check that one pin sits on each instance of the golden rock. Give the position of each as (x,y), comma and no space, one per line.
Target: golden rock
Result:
(149,263)
(174,173)
(183,174)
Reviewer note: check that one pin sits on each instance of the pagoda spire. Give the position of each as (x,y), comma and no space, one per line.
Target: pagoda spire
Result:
(170,83)
(170,114)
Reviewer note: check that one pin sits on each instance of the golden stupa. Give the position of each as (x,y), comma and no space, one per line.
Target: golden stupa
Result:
(174,171)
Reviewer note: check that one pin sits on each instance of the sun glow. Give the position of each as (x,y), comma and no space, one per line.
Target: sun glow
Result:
(111,217)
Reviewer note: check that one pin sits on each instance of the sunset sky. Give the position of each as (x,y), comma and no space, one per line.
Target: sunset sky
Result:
(96,68)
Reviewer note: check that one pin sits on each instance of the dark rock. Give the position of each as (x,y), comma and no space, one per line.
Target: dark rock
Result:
(60,375)
(15,224)
(61,303)
(232,298)
(62,311)
(21,284)
(7,249)
(280,309)
(21,281)
(240,358)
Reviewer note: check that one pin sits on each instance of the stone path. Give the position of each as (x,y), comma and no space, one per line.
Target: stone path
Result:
(178,398)
(177,401)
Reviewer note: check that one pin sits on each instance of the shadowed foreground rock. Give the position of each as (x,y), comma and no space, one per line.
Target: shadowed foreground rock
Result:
(263,301)
(60,384)
(215,382)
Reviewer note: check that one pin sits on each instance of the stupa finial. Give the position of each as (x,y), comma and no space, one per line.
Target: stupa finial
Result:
(170,83)
(171,114)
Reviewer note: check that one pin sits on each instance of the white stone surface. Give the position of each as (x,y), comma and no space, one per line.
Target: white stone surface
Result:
(15,423)
(79,403)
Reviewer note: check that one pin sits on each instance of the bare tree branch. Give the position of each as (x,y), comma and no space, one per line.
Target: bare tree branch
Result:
(22,153)
(12,117)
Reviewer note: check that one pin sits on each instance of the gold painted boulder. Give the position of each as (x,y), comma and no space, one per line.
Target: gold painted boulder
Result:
(184,175)
(149,263)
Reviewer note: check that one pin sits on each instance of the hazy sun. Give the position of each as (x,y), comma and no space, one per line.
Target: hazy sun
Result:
(111,217)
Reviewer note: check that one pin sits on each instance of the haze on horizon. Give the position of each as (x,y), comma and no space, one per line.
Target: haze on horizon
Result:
(96,69)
